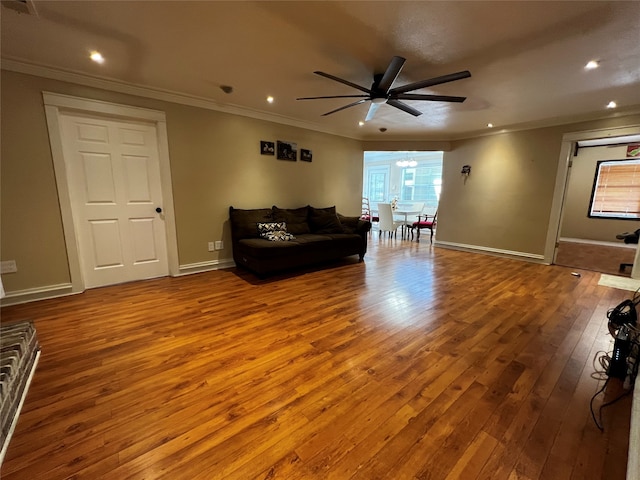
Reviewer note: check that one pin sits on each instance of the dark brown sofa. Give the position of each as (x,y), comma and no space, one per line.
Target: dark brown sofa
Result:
(321,235)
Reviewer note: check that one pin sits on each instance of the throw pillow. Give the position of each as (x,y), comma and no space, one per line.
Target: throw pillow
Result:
(274,231)
(324,220)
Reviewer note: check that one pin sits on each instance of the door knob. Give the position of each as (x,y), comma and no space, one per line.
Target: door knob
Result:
(159,210)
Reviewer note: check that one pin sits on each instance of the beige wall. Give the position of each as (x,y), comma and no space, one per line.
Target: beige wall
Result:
(576,223)
(215,163)
(505,204)
(506,200)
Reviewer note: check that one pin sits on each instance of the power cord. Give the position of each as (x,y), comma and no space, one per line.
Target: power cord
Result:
(604,359)
(593,415)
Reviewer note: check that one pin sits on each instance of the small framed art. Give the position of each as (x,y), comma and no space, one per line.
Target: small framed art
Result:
(287,151)
(267,148)
(305,155)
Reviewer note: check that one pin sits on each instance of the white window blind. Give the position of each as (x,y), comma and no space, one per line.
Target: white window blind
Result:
(616,190)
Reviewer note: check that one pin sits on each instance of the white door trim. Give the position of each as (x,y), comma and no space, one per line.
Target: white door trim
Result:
(566,151)
(56,104)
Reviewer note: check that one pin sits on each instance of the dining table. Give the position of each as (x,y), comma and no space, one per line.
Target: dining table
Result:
(405,213)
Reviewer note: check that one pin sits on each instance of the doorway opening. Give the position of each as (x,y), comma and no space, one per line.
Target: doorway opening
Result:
(586,240)
(402,177)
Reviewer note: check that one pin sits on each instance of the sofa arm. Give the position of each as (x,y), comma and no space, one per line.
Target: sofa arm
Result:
(363,226)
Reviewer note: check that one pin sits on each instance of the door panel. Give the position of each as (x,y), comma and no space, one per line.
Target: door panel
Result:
(114,185)
(92,132)
(98,177)
(144,245)
(105,239)
(137,179)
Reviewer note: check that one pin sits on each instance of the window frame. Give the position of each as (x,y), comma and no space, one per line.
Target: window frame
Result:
(409,187)
(377,170)
(596,183)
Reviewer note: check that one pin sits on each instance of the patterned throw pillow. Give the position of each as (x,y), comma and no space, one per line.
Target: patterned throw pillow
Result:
(274,231)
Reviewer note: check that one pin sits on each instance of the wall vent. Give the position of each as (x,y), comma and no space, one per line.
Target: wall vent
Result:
(20,6)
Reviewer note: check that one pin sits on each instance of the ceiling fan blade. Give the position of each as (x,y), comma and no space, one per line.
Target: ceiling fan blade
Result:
(404,107)
(433,98)
(373,108)
(430,82)
(392,72)
(340,80)
(334,96)
(346,106)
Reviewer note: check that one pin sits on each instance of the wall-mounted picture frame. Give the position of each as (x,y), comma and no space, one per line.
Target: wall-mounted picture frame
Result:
(287,151)
(306,155)
(267,148)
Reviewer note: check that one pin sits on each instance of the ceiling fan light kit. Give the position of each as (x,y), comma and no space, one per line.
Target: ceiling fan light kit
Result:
(381,90)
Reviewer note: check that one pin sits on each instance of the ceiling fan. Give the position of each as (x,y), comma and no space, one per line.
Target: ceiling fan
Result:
(381,91)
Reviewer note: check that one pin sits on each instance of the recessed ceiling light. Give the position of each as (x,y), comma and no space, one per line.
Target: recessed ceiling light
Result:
(270,99)
(591,65)
(612,104)
(97,57)
(490,125)
(361,123)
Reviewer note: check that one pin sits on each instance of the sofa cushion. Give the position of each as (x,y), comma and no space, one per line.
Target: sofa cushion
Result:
(312,238)
(244,222)
(297,219)
(324,220)
(351,239)
(274,231)
(302,245)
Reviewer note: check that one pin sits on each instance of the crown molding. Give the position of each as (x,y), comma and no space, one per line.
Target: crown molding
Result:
(593,116)
(103,83)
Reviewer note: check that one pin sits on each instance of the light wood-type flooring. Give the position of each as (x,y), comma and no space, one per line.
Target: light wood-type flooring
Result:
(420,363)
(599,258)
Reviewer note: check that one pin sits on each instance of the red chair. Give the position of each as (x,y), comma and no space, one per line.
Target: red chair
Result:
(424,221)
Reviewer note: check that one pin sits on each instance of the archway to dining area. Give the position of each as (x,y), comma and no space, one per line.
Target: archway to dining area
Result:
(409,180)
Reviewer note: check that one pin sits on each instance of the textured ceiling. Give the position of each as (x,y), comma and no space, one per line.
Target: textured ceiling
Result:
(526,58)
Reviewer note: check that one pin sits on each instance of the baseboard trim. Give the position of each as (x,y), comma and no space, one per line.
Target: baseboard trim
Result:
(199,267)
(531,257)
(597,242)
(65,289)
(35,294)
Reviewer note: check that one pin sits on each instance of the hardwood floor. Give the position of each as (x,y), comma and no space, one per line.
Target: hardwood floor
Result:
(599,258)
(420,363)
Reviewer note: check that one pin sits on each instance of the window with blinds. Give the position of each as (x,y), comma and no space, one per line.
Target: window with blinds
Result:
(616,190)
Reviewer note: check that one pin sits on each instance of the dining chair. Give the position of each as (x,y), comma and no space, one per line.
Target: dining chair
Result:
(387,223)
(367,214)
(424,221)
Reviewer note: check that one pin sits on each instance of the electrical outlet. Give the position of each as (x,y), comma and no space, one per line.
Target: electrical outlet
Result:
(8,266)
(219,245)
(211,246)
